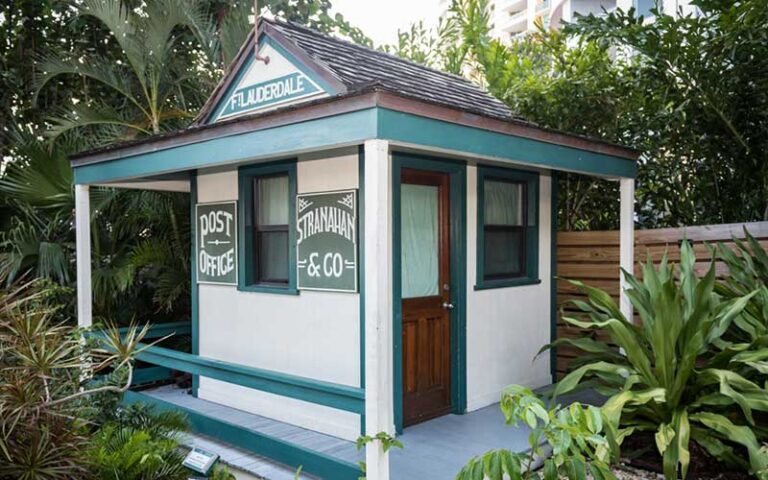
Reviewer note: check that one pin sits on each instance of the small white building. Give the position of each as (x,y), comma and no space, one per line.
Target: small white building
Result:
(373,243)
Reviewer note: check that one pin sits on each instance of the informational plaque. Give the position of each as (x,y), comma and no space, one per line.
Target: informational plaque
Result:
(326,248)
(216,243)
(200,461)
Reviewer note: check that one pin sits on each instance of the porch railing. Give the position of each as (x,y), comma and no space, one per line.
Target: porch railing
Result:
(341,397)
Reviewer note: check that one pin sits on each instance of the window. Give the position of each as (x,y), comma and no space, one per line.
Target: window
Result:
(268,194)
(507,228)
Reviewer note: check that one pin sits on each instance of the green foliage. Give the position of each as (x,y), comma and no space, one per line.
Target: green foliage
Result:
(386,441)
(565,442)
(45,392)
(128,454)
(138,443)
(677,375)
(689,92)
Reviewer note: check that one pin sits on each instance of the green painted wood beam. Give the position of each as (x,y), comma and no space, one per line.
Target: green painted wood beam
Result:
(150,375)
(342,397)
(294,456)
(348,128)
(416,130)
(354,128)
(160,330)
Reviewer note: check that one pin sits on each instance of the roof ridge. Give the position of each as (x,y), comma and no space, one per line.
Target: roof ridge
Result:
(316,33)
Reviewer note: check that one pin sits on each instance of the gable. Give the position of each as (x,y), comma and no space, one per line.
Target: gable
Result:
(256,86)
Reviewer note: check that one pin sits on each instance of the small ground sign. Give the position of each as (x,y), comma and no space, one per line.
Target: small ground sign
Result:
(216,243)
(326,249)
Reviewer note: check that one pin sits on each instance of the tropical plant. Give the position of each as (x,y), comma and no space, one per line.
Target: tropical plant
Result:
(386,440)
(45,375)
(747,266)
(139,443)
(677,375)
(565,442)
(154,78)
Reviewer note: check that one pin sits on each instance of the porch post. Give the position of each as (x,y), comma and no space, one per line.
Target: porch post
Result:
(627,241)
(379,408)
(83,254)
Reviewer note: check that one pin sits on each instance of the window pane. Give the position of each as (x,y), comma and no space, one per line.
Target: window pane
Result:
(419,241)
(503,253)
(273,256)
(504,202)
(272,201)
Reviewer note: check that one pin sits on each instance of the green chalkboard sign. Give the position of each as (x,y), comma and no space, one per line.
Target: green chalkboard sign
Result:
(326,248)
(216,243)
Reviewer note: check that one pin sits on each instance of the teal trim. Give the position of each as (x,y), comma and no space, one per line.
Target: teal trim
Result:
(292,455)
(531,179)
(146,375)
(348,128)
(361,265)
(354,128)
(194,288)
(342,397)
(458,347)
(553,273)
(512,282)
(246,276)
(160,330)
(416,130)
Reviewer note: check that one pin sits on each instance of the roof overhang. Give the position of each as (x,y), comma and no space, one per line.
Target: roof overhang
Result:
(350,119)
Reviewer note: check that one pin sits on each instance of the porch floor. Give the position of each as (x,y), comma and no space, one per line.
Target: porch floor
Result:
(436,449)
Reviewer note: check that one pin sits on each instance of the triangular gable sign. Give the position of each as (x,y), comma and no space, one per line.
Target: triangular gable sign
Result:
(257,86)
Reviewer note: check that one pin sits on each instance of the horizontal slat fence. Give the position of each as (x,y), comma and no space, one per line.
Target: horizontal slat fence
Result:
(593,258)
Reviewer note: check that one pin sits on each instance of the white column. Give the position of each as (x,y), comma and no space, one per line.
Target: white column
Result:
(627,240)
(83,252)
(379,405)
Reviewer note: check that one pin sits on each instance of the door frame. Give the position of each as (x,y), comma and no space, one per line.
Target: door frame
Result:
(458,268)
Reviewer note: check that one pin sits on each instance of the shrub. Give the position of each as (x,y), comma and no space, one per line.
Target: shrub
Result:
(679,375)
(45,373)
(139,444)
(573,434)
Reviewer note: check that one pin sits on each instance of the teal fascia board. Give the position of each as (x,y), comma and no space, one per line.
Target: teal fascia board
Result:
(348,128)
(295,456)
(354,128)
(417,130)
(342,397)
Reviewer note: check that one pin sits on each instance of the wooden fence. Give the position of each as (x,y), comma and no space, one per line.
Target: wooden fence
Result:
(593,257)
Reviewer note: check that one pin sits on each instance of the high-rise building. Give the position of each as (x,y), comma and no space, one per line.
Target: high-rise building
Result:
(514,17)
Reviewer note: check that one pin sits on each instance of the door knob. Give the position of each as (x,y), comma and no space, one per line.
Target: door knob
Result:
(448,305)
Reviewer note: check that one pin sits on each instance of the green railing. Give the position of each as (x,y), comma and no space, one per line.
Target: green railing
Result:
(342,397)
(165,360)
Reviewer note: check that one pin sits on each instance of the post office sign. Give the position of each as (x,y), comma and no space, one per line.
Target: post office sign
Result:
(326,241)
(216,243)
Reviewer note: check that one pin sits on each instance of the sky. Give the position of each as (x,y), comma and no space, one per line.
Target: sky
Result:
(380,19)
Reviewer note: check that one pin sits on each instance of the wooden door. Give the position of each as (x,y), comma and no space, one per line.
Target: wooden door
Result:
(425,294)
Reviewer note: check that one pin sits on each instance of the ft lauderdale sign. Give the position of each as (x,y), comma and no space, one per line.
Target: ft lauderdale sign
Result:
(282,89)
(216,243)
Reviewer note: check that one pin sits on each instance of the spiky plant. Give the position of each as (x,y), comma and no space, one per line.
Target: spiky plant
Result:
(45,373)
(670,378)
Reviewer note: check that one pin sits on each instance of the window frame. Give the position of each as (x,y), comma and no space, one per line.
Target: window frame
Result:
(530,254)
(247,275)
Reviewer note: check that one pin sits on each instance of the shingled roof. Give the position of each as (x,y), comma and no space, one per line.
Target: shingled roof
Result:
(357,68)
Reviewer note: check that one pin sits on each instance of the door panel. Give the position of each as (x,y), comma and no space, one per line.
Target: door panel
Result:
(425,280)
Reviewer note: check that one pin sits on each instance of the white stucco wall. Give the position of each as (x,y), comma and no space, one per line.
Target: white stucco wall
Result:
(506,327)
(313,334)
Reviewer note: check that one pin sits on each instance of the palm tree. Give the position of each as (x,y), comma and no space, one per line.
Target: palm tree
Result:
(154,84)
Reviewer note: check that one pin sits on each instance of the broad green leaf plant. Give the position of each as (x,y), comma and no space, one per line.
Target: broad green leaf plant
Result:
(676,374)
(564,442)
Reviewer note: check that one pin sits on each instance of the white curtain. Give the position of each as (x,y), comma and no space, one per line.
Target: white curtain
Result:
(419,241)
(503,203)
(273,200)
